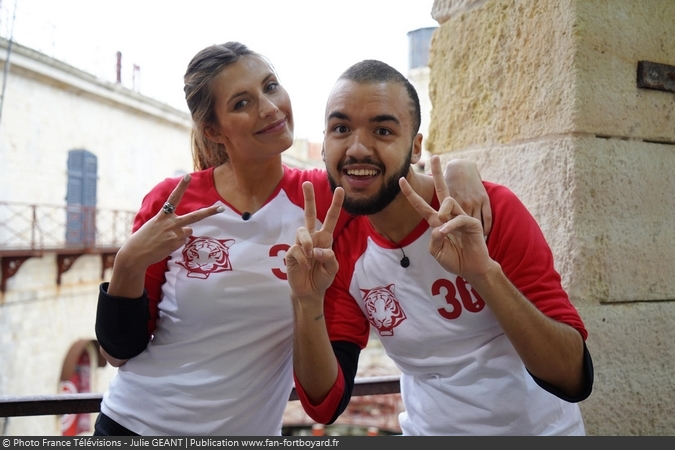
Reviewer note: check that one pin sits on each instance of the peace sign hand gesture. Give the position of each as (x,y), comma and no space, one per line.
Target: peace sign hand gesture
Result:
(164,233)
(310,263)
(457,240)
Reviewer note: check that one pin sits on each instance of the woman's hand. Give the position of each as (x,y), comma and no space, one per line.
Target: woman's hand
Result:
(457,240)
(165,232)
(465,186)
(155,240)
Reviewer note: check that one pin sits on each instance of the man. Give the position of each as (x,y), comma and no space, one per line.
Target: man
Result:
(486,338)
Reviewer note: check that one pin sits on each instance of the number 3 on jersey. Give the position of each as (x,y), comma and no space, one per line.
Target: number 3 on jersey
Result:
(470,301)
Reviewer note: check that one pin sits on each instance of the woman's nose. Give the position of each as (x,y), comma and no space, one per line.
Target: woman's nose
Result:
(267,107)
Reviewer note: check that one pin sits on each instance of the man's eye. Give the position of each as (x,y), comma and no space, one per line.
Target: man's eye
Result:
(383,132)
(340,129)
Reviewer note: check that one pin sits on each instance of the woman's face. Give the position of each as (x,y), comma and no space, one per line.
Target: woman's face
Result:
(253,112)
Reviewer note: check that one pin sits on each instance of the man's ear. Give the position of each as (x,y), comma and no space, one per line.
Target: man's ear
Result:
(323,152)
(416,149)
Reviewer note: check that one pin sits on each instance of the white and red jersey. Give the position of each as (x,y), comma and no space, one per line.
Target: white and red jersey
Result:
(220,360)
(460,373)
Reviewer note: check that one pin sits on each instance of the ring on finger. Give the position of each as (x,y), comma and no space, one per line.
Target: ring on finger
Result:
(168,208)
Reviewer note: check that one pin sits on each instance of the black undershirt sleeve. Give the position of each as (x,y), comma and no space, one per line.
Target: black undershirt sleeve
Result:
(588,381)
(122,324)
(347,354)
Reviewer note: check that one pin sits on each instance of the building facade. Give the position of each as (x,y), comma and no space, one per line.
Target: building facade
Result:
(77,155)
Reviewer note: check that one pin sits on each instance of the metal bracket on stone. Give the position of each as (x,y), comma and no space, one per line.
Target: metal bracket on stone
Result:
(651,75)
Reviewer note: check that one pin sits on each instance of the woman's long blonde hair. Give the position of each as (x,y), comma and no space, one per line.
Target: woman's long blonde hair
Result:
(201,71)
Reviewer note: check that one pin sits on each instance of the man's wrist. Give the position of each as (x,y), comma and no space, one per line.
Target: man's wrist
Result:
(492,275)
(309,306)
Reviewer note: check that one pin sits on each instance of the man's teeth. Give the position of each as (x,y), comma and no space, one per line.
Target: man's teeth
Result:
(362,173)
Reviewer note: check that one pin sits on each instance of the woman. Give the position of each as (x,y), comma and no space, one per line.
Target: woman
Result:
(197,313)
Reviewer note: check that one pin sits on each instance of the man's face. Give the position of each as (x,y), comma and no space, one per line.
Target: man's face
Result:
(368,143)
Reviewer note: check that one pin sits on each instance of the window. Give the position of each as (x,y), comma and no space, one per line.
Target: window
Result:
(81,198)
(77,376)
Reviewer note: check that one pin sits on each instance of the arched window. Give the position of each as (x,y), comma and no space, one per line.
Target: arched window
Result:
(77,377)
(81,198)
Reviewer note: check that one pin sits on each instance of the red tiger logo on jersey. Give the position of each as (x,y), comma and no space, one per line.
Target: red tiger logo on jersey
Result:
(203,256)
(383,310)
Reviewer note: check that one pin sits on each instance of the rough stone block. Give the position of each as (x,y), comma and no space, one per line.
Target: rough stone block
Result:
(634,359)
(501,73)
(504,71)
(610,39)
(605,206)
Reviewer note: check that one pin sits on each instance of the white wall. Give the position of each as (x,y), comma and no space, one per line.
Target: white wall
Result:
(50,108)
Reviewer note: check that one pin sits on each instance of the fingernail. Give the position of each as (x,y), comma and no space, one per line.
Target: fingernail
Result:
(186,177)
(220,209)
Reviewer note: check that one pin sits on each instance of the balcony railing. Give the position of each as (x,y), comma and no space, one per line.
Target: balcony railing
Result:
(45,405)
(35,227)
(31,230)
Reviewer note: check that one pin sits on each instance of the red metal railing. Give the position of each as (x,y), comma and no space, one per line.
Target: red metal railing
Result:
(36,227)
(30,230)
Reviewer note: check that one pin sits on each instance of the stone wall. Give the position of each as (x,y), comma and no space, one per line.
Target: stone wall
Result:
(543,97)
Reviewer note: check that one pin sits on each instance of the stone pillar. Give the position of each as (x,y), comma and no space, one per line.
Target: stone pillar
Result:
(543,96)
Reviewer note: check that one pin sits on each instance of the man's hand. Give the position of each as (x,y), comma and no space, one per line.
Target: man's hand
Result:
(310,263)
(311,267)
(457,240)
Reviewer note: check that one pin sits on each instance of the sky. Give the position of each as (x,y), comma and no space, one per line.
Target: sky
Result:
(310,42)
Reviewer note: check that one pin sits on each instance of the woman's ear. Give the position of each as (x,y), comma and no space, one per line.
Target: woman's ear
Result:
(212,133)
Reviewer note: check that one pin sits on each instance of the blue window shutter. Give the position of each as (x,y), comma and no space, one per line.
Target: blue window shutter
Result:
(81,198)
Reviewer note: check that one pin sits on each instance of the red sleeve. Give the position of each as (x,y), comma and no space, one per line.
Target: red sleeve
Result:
(322,192)
(324,411)
(344,318)
(517,243)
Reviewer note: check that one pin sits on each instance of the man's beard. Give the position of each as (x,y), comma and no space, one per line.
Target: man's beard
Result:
(382,199)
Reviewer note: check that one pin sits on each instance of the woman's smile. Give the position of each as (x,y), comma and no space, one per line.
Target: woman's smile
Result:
(273,127)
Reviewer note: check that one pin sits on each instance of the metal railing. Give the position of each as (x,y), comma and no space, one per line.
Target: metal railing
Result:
(28,227)
(45,405)
(39,227)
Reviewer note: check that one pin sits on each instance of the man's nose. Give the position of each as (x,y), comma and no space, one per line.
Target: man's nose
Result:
(359,145)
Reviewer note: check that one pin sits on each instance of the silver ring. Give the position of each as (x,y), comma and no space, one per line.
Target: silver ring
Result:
(168,208)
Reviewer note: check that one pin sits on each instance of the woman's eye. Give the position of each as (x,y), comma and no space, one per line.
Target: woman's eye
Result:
(240,104)
(273,86)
